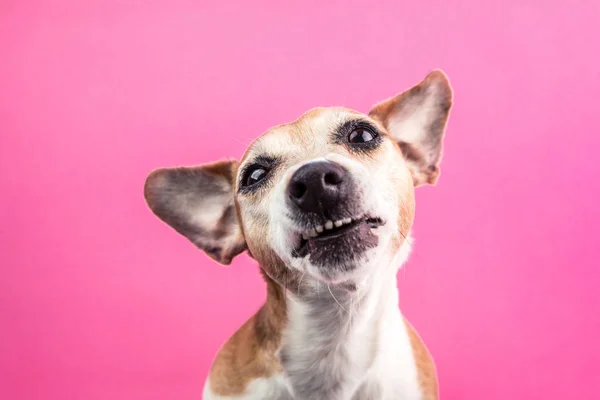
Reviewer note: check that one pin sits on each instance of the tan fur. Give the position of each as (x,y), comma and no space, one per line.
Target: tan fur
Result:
(250,352)
(427,373)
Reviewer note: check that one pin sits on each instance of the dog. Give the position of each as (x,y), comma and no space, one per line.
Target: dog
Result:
(325,205)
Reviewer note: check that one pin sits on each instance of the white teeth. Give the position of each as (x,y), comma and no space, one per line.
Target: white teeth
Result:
(328,225)
(309,234)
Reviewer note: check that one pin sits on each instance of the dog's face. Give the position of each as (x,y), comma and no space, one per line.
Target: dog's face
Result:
(324,194)
(329,195)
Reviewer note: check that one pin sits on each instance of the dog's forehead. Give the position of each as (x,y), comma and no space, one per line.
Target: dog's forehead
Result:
(310,130)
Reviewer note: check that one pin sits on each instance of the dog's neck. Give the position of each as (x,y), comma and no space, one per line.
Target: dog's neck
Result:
(333,333)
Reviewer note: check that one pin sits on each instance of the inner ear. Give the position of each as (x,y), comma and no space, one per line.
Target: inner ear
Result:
(198,202)
(417,119)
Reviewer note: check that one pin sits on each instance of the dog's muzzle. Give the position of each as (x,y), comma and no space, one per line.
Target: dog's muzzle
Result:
(326,205)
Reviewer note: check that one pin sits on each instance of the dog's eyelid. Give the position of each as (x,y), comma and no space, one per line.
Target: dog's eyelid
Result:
(347,127)
(262,160)
(268,163)
(341,135)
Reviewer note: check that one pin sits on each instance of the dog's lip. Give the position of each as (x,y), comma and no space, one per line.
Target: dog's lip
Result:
(333,232)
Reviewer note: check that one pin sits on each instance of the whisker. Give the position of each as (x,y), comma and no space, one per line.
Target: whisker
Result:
(245,142)
(407,239)
(300,282)
(351,309)
(330,292)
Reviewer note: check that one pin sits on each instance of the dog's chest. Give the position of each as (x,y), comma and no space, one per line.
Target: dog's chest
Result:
(322,355)
(330,354)
(387,374)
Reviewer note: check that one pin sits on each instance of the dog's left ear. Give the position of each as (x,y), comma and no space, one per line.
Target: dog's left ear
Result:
(198,203)
(416,119)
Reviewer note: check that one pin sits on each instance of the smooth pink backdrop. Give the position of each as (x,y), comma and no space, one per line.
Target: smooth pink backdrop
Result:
(100,300)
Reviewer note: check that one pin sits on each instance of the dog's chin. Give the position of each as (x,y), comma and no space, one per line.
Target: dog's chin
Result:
(335,254)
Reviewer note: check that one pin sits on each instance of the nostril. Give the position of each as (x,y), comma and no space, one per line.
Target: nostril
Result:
(297,189)
(332,178)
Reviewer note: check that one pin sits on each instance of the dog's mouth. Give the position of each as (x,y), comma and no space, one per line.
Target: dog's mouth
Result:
(330,232)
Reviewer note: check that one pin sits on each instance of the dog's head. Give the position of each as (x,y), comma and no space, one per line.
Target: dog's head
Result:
(329,195)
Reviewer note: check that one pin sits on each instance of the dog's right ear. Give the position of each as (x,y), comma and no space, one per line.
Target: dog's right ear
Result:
(198,203)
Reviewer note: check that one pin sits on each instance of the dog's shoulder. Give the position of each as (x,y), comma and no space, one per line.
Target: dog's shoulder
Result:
(246,360)
(426,371)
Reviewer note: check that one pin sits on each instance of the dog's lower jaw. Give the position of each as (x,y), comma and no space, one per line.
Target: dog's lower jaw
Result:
(341,344)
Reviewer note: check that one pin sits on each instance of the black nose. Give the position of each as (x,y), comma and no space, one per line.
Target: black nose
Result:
(317,186)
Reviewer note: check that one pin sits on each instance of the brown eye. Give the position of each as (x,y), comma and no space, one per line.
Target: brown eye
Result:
(254,175)
(361,135)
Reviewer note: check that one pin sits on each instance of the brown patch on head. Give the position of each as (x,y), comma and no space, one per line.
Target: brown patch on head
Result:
(250,352)
(416,119)
(426,371)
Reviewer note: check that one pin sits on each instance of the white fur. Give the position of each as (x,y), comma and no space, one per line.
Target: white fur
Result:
(379,362)
(259,389)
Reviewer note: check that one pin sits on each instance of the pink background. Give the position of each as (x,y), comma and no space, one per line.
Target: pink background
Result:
(99,300)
